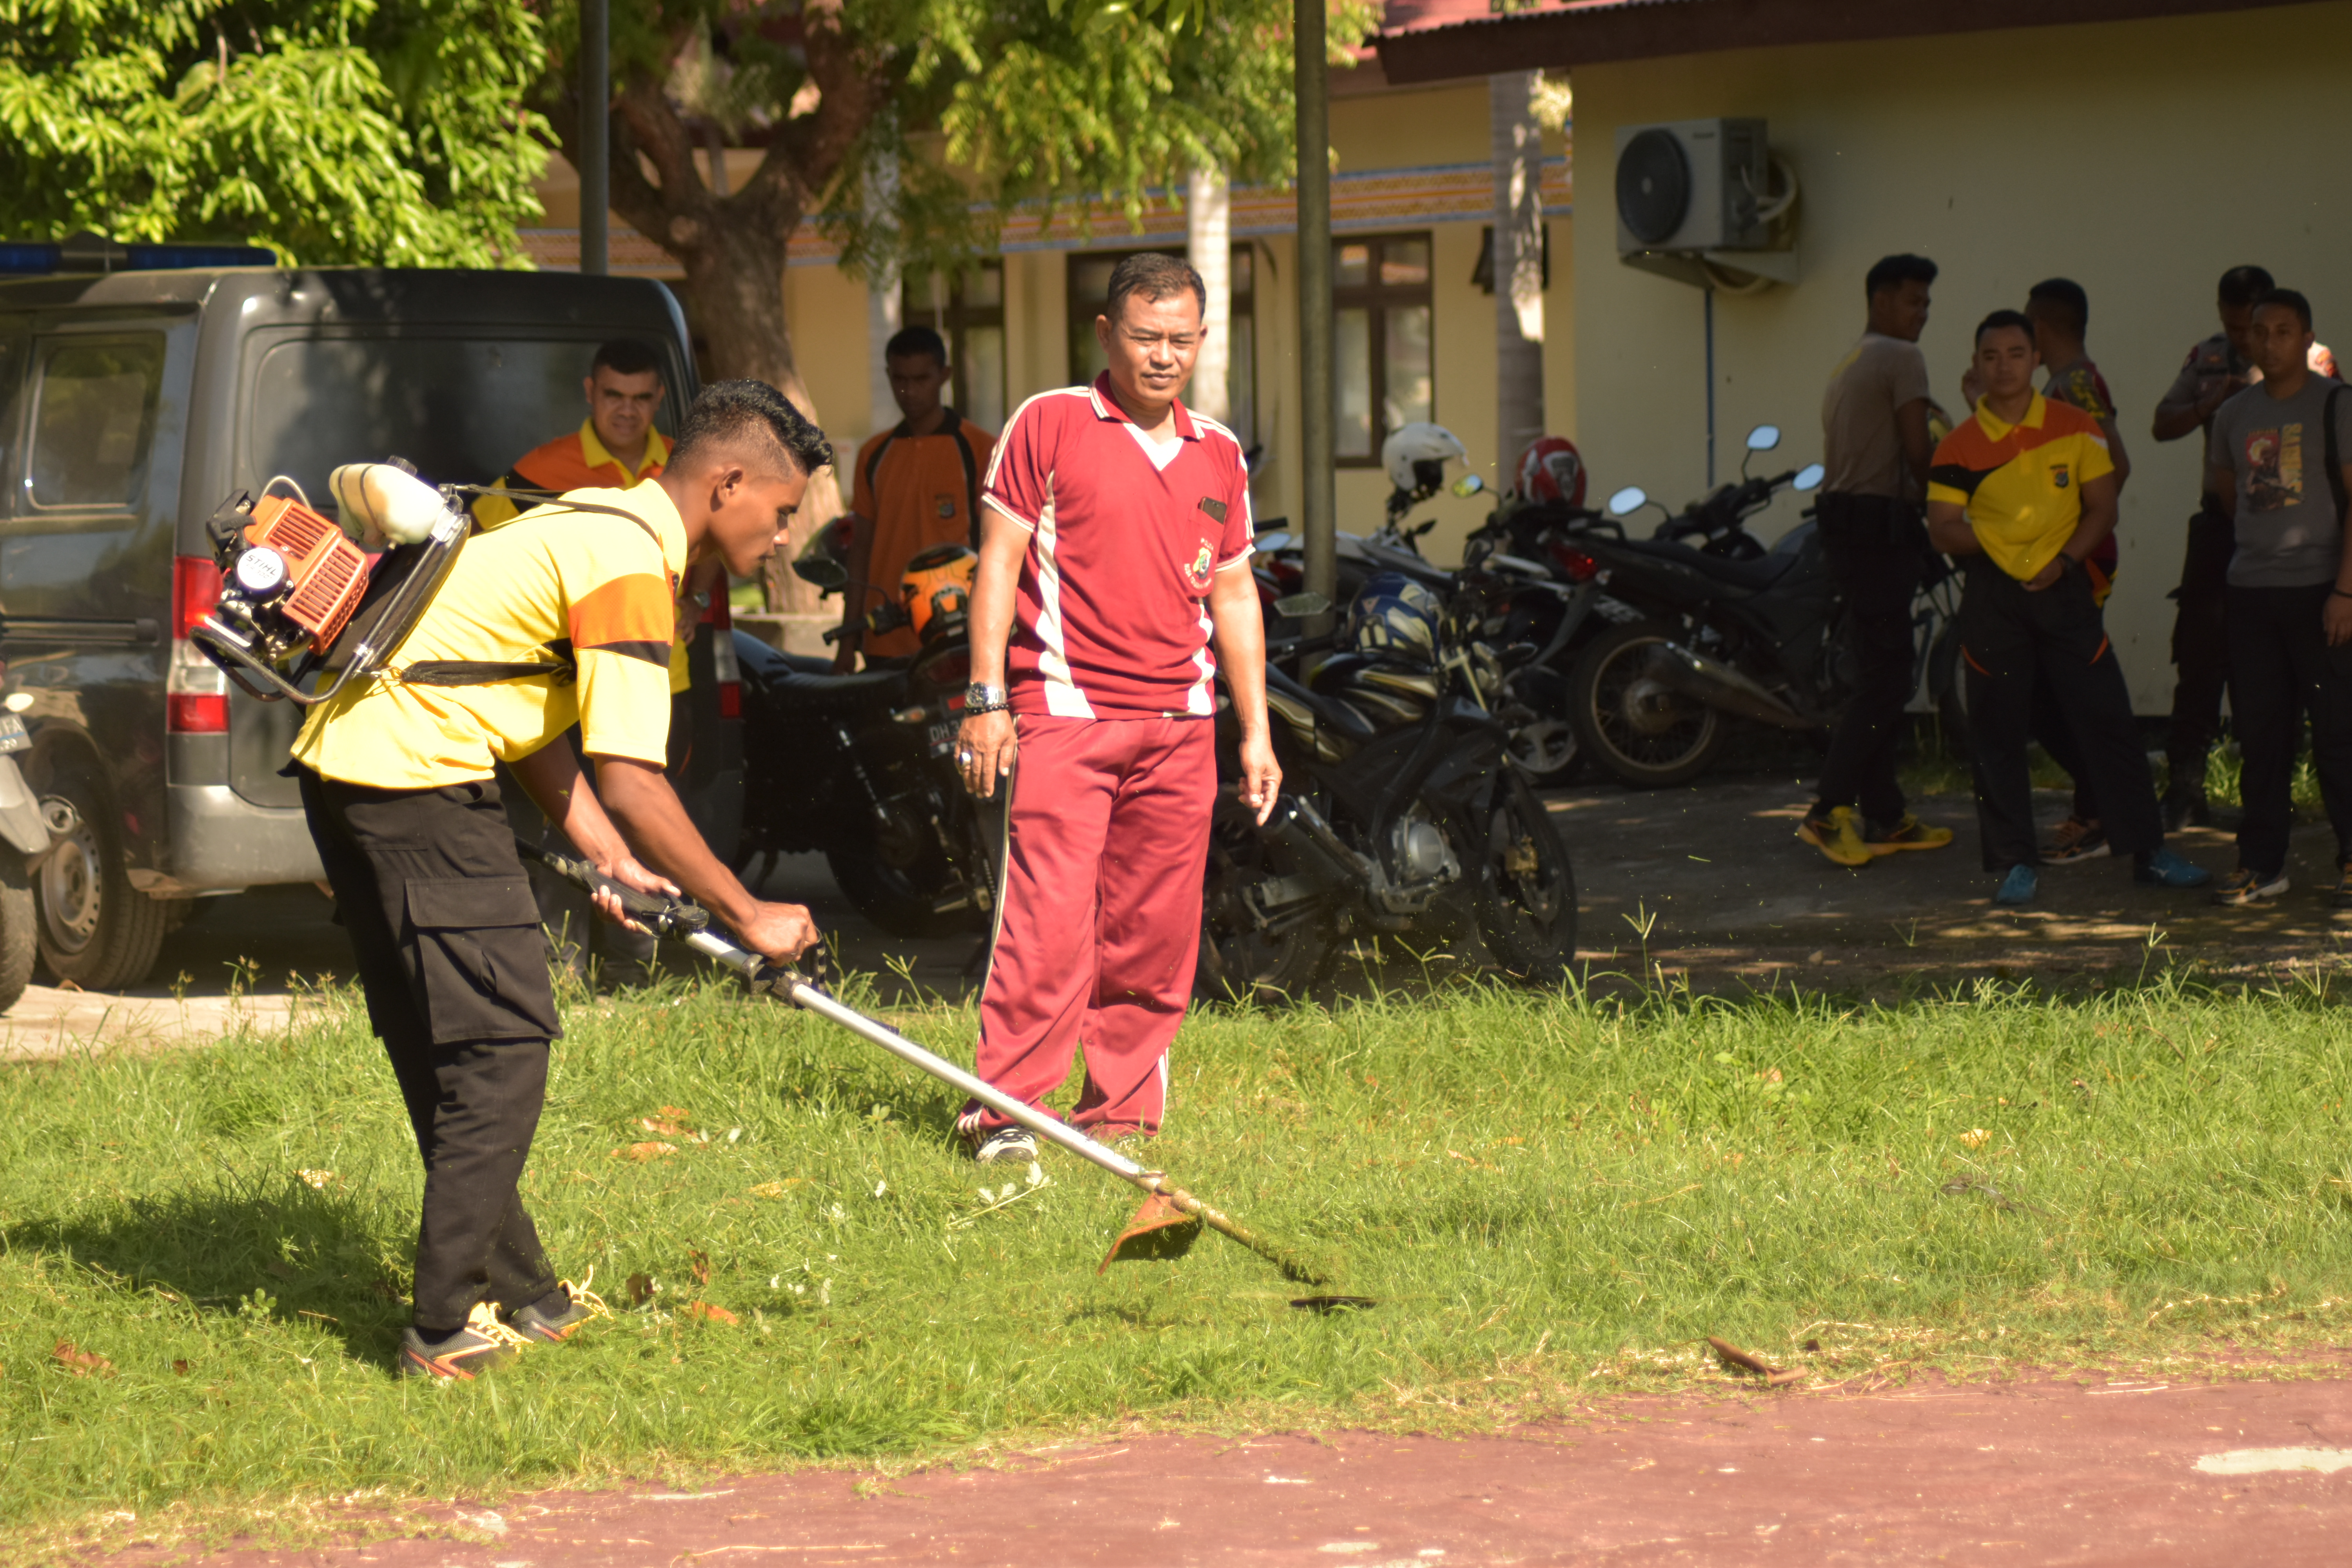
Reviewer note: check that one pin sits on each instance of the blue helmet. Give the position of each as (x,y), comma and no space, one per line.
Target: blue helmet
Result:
(1395,617)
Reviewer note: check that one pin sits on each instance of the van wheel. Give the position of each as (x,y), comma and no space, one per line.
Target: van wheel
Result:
(96,929)
(19,923)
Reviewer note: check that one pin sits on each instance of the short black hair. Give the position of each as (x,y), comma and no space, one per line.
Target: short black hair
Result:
(2065,296)
(2290,300)
(908,341)
(2243,285)
(726,412)
(1894,271)
(1155,275)
(625,356)
(2001,319)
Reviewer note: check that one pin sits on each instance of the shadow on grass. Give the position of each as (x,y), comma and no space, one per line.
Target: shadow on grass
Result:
(276,1251)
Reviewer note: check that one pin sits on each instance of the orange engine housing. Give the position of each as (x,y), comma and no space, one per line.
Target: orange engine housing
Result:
(329,572)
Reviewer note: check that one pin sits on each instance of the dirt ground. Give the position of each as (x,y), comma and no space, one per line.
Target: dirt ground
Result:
(2139,1472)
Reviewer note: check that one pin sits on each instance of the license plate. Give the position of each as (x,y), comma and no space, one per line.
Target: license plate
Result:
(14,737)
(942,736)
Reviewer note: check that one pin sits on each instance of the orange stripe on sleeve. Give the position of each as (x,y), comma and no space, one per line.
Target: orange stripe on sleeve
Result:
(632,609)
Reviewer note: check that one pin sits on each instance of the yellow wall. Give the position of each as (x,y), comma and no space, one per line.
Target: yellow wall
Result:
(2139,159)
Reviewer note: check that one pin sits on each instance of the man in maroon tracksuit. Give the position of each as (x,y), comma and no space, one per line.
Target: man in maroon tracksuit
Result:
(1116,548)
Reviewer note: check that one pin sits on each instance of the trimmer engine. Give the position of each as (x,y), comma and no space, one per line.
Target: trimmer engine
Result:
(290,578)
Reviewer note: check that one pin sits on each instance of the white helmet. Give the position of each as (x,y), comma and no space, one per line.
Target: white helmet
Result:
(1415,456)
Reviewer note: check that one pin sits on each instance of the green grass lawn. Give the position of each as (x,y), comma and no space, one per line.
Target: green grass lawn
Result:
(1551,1198)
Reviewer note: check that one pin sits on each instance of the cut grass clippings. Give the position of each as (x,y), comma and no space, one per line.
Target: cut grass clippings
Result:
(203,1254)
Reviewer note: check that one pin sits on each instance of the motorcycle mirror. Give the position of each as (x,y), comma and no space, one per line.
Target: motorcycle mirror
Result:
(1629,500)
(1811,475)
(1299,607)
(828,575)
(1468,485)
(1764,438)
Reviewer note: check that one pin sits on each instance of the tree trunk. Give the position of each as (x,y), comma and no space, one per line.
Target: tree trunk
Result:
(1517,259)
(1209,243)
(734,279)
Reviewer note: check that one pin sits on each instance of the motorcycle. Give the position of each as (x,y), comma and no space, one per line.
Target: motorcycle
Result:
(1400,816)
(862,766)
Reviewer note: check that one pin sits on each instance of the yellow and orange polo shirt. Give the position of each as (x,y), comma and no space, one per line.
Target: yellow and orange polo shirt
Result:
(575,462)
(557,585)
(2022,484)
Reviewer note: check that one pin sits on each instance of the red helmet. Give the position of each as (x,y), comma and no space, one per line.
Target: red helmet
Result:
(1552,470)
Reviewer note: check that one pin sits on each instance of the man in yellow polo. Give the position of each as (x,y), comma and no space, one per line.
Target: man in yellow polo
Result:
(2023,491)
(616,446)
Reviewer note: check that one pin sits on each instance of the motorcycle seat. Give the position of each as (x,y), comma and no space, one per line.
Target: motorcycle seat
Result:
(805,688)
(1752,575)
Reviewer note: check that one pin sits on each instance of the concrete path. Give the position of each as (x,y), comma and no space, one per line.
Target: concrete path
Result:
(2133,1472)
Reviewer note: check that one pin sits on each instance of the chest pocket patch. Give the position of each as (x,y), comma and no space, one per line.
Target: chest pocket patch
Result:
(1202,569)
(2058,476)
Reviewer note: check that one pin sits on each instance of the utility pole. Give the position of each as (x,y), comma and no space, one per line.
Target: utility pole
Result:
(1318,506)
(595,136)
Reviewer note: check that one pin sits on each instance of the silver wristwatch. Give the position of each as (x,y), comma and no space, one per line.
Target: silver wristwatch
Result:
(980,697)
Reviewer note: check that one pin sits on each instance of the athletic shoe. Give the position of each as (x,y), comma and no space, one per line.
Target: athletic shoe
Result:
(2075,839)
(1836,832)
(560,1316)
(2019,887)
(2244,887)
(2163,868)
(482,1344)
(1006,1146)
(1908,833)
(2187,811)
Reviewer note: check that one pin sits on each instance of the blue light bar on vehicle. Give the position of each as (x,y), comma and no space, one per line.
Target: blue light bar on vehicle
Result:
(88,253)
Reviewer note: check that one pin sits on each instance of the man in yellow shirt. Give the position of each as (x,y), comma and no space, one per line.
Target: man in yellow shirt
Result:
(562,615)
(2023,492)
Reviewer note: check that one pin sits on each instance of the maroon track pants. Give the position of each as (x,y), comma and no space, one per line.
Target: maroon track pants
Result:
(1108,835)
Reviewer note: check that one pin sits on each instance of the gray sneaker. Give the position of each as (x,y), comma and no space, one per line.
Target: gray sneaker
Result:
(1005,1146)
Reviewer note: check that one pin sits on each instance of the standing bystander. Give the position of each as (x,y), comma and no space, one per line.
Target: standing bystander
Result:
(2061,312)
(1116,549)
(2024,492)
(2290,592)
(1875,438)
(915,485)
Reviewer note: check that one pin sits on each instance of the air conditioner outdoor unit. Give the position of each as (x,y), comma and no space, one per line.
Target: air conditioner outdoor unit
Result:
(1693,186)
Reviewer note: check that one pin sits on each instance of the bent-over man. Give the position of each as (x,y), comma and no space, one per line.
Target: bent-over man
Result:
(1116,548)
(569,607)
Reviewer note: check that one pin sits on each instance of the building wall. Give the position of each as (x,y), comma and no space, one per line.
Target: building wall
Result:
(2140,159)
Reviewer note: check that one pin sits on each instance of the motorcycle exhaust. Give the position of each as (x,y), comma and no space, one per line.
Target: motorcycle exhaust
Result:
(1298,826)
(1719,685)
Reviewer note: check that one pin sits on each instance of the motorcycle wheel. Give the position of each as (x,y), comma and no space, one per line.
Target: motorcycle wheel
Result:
(1547,752)
(19,926)
(896,877)
(1526,889)
(1646,734)
(1242,959)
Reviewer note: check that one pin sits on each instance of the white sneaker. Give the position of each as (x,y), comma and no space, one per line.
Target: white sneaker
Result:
(1006,1146)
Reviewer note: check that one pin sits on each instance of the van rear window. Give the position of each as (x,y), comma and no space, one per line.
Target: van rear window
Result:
(462,409)
(94,421)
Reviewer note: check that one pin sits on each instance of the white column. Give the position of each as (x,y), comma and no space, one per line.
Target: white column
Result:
(883,316)
(1517,145)
(1209,244)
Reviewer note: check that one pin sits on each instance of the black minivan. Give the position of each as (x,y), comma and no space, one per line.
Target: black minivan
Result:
(132,402)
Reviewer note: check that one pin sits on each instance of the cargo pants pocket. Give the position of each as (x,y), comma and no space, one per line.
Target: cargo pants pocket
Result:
(478,960)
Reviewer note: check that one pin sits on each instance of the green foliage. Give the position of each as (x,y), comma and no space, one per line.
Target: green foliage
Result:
(1550,1197)
(389,132)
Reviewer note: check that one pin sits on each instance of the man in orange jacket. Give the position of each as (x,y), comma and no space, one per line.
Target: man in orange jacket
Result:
(616,446)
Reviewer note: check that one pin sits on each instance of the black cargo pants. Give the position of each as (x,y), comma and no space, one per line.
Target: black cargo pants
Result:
(447,935)
(2008,640)
(1877,553)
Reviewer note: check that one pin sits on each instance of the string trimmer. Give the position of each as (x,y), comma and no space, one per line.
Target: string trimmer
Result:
(1167,1224)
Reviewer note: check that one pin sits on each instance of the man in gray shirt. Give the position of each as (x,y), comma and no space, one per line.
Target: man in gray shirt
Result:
(1876,446)
(2277,468)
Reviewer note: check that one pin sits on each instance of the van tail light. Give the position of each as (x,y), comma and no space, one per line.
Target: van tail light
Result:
(725,671)
(195,691)
(1579,566)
